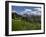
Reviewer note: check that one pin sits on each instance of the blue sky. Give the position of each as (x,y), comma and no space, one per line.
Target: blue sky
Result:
(25,9)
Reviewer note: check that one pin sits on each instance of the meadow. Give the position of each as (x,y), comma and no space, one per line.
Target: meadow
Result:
(20,24)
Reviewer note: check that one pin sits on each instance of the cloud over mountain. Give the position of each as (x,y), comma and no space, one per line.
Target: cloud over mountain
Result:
(26,10)
(30,12)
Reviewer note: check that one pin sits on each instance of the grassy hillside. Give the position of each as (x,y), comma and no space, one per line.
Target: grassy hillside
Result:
(22,24)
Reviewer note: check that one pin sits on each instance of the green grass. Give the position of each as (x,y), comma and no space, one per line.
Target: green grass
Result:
(19,24)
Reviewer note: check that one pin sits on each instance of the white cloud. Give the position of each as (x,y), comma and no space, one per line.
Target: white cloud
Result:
(38,9)
(26,11)
(29,11)
(36,13)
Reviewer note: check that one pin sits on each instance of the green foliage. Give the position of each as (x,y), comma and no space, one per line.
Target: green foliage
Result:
(22,24)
